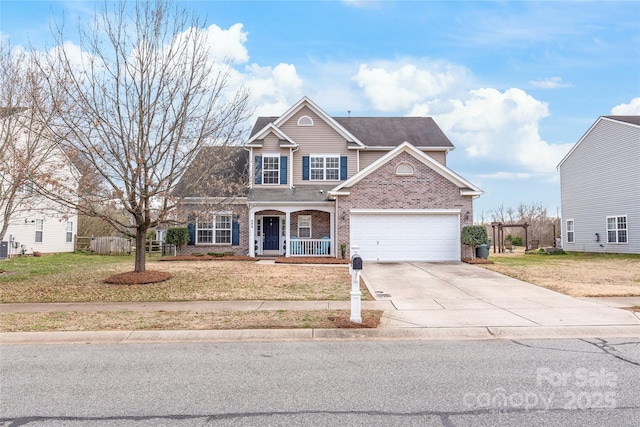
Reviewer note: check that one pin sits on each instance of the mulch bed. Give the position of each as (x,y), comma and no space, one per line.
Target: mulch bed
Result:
(310,260)
(344,322)
(477,261)
(138,278)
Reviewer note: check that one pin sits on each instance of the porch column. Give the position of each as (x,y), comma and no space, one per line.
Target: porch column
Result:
(332,233)
(287,252)
(252,233)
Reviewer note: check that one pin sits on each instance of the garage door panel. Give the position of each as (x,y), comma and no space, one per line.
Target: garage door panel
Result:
(402,237)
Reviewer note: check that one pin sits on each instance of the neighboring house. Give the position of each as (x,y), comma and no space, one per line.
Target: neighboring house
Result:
(319,182)
(600,188)
(36,224)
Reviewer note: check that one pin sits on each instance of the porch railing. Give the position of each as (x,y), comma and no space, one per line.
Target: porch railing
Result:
(310,247)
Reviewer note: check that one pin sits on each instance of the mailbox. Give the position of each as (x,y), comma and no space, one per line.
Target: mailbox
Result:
(356,262)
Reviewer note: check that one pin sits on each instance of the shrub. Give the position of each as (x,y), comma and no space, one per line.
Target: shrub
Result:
(177,236)
(517,241)
(474,235)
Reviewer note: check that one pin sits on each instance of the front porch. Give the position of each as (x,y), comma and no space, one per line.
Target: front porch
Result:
(292,231)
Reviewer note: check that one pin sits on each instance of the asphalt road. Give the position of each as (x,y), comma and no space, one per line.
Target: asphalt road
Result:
(347,383)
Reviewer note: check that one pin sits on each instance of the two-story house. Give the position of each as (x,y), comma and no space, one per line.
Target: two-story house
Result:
(320,184)
(600,188)
(33,222)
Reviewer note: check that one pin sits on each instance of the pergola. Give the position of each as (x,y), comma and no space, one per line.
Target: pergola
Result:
(500,226)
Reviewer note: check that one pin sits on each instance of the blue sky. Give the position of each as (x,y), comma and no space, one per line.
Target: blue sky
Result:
(513,84)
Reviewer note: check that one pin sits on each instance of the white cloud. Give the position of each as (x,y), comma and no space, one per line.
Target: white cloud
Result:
(502,175)
(549,83)
(502,127)
(229,43)
(392,86)
(630,109)
(272,89)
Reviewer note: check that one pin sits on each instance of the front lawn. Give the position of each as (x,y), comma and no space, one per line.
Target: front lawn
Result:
(79,278)
(183,320)
(574,273)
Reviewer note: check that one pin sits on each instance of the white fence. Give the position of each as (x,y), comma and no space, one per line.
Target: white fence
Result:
(310,247)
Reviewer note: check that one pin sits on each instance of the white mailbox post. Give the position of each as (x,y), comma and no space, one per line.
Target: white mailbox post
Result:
(355,268)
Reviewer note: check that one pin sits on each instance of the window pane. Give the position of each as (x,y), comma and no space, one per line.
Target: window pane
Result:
(223,236)
(317,162)
(622,222)
(205,236)
(622,236)
(271,170)
(333,162)
(317,174)
(223,221)
(304,226)
(304,232)
(611,236)
(333,174)
(611,223)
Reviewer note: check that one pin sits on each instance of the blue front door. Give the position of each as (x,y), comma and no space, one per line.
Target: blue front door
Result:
(271,233)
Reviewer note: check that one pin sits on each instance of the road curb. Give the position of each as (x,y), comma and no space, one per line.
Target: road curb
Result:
(249,335)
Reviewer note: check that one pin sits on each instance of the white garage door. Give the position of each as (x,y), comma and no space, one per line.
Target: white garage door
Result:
(406,237)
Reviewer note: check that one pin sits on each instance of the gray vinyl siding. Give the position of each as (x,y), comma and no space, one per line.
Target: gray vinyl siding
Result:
(319,139)
(601,178)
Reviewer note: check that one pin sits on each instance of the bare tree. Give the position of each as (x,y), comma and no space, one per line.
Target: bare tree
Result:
(28,159)
(541,226)
(146,96)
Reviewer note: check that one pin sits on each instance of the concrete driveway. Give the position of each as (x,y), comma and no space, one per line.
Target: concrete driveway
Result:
(432,295)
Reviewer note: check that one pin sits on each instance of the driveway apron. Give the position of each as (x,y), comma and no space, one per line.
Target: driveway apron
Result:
(454,294)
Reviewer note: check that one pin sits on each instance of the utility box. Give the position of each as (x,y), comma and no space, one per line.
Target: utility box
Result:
(4,250)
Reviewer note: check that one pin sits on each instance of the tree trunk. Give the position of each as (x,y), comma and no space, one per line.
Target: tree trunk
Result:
(141,240)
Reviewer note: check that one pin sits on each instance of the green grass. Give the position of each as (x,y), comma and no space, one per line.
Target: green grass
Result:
(25,268)
(533,259)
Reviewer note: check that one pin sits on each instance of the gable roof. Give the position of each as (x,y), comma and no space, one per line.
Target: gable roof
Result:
(466,188)
(373,132)
(623,120)
(264,131)
(212,166)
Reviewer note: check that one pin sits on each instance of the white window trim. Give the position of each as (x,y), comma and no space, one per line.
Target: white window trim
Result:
(324,166)
(301,121)
(39,221)
(69,232)
(405,169)
(214,229)
(617,230)
(572,231)
(264,170)
(305,227)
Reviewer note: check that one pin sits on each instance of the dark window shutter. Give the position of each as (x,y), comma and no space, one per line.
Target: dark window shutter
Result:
(235,233)
(305,168)
(283,169)
(192,233)
(343,168)
(258,170)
